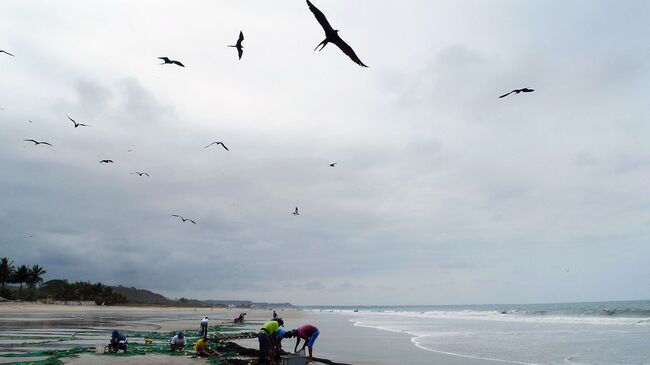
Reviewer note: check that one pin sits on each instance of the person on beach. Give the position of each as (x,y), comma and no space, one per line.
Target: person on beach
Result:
(275,315)
(309,334)
(202,349)
(118,342)
(203,332)
(268,340)
(177,342)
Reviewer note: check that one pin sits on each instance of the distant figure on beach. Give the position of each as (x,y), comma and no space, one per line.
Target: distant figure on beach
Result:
(275,315)
(202,349)
(309,334)
(203,332)
(240,319)
(118,342)
(177,342)
(268,339)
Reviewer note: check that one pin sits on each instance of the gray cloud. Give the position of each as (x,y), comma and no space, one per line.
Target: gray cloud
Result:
(443,193)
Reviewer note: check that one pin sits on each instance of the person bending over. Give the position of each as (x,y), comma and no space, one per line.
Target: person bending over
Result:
(118,342)
(309,334)
(202,349)
(268,339)
(203,332)
(177,342)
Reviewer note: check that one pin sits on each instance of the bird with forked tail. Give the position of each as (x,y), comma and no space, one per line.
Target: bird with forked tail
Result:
(332,36)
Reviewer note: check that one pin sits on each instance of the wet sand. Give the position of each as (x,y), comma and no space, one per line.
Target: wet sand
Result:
(134,360)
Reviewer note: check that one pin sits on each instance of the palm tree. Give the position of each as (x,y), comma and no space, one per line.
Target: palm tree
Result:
(35,276)
(20,276)
(6,272)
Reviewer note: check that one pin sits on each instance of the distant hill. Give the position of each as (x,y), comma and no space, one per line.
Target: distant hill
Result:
(142,296)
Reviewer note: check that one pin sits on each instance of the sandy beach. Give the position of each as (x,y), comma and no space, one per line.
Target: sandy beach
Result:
(29,328)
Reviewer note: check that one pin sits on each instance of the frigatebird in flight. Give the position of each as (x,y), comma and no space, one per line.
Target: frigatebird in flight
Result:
(517,91)
(106,161)
(171,62)
(140,173)
(37,142)
(331,35)
(221,143)
(295,212)
(3,51)
(184,219)
(240,48)
(333,164)
(76,124)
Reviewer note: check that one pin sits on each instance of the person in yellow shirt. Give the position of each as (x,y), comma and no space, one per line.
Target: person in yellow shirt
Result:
(268,339)
(202,349)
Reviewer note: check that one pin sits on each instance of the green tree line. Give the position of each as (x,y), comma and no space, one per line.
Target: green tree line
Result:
(32,279)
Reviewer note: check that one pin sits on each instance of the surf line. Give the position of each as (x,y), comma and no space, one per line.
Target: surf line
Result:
(415,342)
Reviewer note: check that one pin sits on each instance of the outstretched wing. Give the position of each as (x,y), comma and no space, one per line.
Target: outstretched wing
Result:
(72,120)
(2,51)
(178,63)
(210,145)
(31,140)
(504,95)
(321,18)
(224,146)
(348,51)
(192,221)
(241,38)
(164,59)
(176,215)
(45,143)
(240,51)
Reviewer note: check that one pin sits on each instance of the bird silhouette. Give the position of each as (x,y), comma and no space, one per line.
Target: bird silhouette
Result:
(331,35)
(76,124)
(3,51)
(183,219)
(140,173)
(240,48)
(106,161)
(221,143)
(37,142)
(171,62)
(333,164)
(517,91)
(295,212)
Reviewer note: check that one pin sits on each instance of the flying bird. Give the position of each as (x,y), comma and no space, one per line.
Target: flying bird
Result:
(295,212)
(333,164)
(183,219)
(75,122)
(517,91)
(3,51)
(331,35)
(106,161)
(221,143)
(140,173)
(171,62)
(240,48)
(37,142)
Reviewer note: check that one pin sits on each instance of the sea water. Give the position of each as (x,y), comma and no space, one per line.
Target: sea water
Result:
(602,333)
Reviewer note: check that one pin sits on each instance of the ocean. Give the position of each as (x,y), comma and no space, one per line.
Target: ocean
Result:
(598,333)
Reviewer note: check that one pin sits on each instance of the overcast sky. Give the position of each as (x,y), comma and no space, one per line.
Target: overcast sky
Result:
(443,193)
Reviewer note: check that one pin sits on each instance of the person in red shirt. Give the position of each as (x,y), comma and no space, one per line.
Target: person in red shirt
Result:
(309,334)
